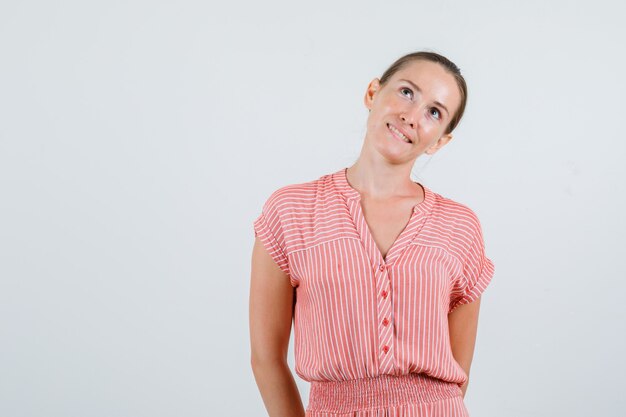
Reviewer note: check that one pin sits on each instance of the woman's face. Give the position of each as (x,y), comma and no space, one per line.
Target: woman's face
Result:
(409,114)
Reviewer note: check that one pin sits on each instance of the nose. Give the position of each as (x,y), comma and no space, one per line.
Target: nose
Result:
(409,119)
(414,115)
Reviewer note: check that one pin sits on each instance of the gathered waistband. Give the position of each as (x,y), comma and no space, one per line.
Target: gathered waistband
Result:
(378,392)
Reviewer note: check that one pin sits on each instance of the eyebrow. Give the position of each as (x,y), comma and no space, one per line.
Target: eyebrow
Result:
(420,90)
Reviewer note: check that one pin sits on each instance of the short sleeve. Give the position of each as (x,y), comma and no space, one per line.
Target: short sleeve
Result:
(269,228)
(477,270)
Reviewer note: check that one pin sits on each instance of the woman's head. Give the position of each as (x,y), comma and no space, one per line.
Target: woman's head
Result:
(412,109)
(448,65)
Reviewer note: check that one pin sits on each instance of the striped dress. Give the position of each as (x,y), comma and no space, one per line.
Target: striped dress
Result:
(371,332)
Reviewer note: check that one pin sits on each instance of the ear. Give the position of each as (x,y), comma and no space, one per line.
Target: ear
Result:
(371,91)
(441,142)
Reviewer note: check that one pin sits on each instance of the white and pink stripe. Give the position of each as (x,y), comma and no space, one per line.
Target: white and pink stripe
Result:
(365,320)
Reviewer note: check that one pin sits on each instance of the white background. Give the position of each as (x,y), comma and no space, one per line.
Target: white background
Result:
(139,140)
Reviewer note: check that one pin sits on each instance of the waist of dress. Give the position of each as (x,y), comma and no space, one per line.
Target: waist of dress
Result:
(378,392)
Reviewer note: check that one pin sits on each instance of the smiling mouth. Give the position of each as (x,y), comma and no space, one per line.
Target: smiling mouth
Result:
(398,134)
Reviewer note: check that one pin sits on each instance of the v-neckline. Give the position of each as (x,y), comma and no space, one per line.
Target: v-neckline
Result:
(367,235)
(412,227)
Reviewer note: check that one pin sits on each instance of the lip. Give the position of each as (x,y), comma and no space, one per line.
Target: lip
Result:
(403,132)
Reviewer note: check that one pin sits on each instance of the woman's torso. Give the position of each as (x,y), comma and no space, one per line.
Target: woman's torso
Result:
(373,300)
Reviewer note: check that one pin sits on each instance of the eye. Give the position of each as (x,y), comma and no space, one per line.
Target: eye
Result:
(406,92)
(435,113)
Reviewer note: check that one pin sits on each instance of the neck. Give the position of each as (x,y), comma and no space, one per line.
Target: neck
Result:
(382,181)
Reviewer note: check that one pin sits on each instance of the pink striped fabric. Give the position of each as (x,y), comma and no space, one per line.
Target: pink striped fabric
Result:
(371,333)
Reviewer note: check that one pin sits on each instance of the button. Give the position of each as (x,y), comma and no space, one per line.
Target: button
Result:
(385,348)
(384,294)
(382,267)
(385,322)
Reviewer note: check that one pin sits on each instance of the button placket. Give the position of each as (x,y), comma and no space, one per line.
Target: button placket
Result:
(385,311)
(379,265)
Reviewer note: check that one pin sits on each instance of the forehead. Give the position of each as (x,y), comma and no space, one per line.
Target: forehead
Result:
(433,79)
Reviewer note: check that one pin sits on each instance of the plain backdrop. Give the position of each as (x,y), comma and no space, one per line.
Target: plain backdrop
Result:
(140,139)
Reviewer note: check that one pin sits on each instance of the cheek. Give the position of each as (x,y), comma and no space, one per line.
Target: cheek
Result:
(432,127)
(427,128)
(376,119)
(429,135)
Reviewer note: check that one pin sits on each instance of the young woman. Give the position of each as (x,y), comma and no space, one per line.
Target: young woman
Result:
(381,276)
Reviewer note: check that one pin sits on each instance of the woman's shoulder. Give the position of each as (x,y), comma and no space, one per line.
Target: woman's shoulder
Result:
(298,195)
(453,225)
(454,210)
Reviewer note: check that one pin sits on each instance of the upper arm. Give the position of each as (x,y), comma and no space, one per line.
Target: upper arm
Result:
(463,326)
(477,269)
(270,308)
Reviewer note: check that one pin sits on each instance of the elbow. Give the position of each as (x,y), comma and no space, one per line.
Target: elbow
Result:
(263,367)
(264,353)
(265,361)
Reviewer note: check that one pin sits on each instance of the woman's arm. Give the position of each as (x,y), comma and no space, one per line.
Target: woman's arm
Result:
(271,312)
(463,325)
